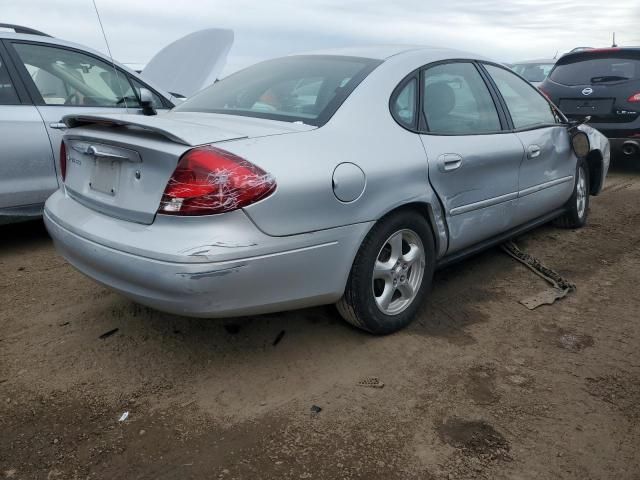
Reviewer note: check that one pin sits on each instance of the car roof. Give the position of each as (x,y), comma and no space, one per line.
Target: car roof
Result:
(383,52)
(50,40)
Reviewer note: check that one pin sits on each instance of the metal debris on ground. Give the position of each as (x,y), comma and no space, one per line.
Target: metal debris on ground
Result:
(371,382)
(123,417)
(315,409)
(108,334)
(561,287)
(278,338)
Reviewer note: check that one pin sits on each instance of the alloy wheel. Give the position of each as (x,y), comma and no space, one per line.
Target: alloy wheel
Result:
(581,192)
(398,272)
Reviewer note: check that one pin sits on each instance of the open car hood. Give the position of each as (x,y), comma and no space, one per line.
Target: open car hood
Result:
(190,63)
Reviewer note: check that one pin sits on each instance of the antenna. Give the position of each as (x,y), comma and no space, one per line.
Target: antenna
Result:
(113,63)
(613,44)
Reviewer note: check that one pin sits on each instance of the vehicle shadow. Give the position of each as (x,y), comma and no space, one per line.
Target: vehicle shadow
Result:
(23,234)
(625,164)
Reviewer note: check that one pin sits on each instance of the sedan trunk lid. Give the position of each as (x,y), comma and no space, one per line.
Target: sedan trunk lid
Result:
(119,165)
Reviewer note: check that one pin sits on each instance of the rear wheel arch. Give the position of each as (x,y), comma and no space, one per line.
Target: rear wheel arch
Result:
(429,213)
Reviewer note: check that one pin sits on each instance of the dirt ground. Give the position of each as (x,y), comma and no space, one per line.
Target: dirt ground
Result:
(478,387)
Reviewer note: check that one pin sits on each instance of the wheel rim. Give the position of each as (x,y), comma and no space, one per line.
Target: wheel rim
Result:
(581,192)
(398,272)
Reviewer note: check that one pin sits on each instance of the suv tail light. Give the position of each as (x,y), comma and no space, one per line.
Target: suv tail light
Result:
(635,98)
(209,180)
(63,161)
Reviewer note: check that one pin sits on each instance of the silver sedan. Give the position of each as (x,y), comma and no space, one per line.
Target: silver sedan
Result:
(340,177)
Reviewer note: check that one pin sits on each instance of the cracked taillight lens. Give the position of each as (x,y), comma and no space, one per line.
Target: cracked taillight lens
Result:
(209,180)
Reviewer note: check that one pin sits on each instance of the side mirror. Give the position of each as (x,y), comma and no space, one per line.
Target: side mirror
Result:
(146,102)
(580,143)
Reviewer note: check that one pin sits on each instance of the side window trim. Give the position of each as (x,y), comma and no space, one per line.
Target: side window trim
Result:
(494,87)
(33,90)
(503,119)
(14,76)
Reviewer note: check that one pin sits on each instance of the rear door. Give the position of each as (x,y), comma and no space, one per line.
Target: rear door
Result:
(64,81)
(473,160)
(27,175)
(546,173)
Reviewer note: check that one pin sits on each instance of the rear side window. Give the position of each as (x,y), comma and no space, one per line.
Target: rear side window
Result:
(582,70)
(8,95)
(403,105)
(306,88)
(457,101)
(527,106)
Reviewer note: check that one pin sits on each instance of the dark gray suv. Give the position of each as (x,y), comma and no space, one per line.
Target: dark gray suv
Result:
(604,84)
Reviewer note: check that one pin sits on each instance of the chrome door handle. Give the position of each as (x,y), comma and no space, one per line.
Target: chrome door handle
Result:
(449,161)
(533,151)
(58,126)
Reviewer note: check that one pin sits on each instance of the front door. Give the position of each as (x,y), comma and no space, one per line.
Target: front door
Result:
(473,162)
(66,81)
(27,175)
(547,171)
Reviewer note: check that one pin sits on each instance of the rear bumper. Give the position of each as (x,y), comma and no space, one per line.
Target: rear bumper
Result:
(626,146)
(299,271)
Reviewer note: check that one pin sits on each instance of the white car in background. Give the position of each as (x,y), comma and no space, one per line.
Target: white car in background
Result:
(534,71)
(43,79)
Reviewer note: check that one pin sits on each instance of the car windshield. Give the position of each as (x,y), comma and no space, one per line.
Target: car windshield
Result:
(533,72)
(584,70)
(307,88)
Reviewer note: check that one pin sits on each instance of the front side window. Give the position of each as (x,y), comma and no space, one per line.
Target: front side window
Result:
(67,77)
(8,95)
(306,88)
(527,106)
(457,101)
(403,105)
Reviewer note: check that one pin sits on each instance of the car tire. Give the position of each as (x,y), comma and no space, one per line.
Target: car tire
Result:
(577,208)
(391,274)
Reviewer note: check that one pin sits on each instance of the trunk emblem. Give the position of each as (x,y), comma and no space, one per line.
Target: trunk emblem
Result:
(587,91)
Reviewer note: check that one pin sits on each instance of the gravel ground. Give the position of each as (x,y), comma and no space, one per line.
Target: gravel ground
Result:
(478,387)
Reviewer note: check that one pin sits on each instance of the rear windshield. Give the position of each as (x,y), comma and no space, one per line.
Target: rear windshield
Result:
(533,72)
(307,89)
(587,71)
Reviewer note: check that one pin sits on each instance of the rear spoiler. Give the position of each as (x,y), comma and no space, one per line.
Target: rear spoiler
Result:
(190,134)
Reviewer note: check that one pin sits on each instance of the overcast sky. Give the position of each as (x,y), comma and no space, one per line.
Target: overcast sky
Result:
(506,30)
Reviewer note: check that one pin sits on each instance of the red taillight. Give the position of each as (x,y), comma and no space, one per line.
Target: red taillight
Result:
(63,161)
(634,98)
(209,180)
